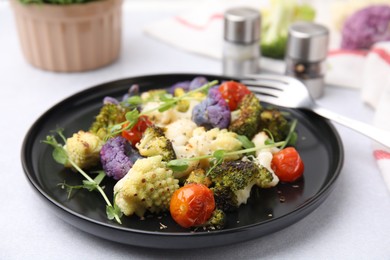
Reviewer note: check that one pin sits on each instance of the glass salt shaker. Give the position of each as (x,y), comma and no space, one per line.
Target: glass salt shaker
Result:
(307,48)
(241,50)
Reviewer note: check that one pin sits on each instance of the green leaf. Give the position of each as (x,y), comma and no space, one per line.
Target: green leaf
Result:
(89,185)
(59,154)
(114,212)
(178,165)
(98,179)
(219,154)
(294,138)
(132,116)
(111,212)
(134,100)
(246,143)
(166,97)
(292,134)
(166,106)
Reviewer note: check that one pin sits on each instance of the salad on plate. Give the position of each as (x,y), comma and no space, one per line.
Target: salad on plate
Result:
(195,150)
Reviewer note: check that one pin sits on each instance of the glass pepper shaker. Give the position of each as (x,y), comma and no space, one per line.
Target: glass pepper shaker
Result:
(306,52)
(241,50)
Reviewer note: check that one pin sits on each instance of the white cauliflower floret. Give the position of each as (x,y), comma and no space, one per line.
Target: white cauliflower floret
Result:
(83,148)
(166,117)
(148,186)
(159,118)
(259,140)
(188,114)
(204,142)
(186,151)
(180,131)
(264,158)
(207,142)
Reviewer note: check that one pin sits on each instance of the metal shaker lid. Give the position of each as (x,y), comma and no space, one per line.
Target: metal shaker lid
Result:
(242,25)
(307,41)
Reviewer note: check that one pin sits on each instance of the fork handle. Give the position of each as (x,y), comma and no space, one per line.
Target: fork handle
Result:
(377,134)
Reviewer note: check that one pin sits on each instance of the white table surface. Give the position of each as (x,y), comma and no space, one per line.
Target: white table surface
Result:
(353,223)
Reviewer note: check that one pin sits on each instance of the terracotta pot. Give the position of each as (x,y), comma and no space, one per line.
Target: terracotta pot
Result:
(70,38)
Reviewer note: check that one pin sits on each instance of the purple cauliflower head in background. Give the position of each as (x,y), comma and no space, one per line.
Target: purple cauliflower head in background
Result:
(366,27)
(117,157)
(212,112)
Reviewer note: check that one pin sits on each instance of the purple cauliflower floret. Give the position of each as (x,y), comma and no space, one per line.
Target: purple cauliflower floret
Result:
(110,100)
(132,91)
(117,157)
(212,112)
(189,85)
(366,27)
(185,85)
(197,83)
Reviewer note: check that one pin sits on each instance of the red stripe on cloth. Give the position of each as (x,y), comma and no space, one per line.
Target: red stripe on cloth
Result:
(347,52)
(380,155)
(188,24)
(382,53)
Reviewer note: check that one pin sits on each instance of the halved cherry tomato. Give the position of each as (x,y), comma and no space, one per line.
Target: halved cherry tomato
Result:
(287,164)
(192,205)
(134,134)
(233,92)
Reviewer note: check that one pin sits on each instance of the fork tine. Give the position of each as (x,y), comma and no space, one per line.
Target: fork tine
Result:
(267,99)
(264,90)
(258,83)
(270,77)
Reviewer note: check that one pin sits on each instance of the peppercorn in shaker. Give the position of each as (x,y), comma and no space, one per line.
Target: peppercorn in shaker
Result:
(307,48)
(241,50)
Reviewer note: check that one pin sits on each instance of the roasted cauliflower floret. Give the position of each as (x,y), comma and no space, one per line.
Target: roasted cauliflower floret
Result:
(148,186)
(207,142)
(180,131)
(154,142)
(83,149)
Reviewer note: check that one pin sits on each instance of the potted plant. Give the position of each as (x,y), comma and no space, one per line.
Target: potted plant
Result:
(69,35)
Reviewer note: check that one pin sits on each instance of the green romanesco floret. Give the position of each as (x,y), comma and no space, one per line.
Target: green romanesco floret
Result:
(264,178)
(232,183)
(148,186)
(198,176)
(109,115)
(245,118)
(276,21)
(154,142)
(83,149)
(275,123)
(217,221)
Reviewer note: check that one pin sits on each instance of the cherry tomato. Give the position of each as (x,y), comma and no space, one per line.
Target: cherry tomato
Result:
(134,134)
(233,92)
(287,164)
(192,205)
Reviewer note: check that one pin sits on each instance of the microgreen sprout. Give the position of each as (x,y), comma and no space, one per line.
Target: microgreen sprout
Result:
(179,165)
(61,156)
(292,135)
(90,186)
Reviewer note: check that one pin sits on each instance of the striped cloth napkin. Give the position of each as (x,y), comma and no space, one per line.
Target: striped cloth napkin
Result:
(376,92)
(200,31)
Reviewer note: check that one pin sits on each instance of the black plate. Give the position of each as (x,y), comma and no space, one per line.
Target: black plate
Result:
(267,210)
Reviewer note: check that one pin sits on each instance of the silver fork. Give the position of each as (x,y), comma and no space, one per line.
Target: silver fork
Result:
(289,92)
